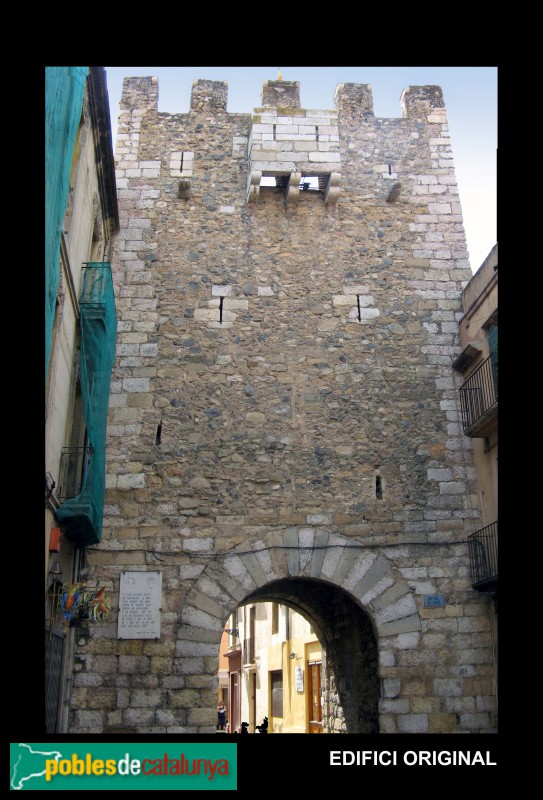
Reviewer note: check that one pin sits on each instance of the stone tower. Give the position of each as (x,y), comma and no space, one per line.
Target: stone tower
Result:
(283,415)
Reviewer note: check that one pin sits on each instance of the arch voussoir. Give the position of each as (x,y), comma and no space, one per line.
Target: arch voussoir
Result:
(221,586)
(237,569)
(332,556)
(253,568)
(275,545)
(199,599)
(358,568)
(404,607)
(229,586)
(375,580)
(317,557)
(196,617)
(349,555)
(291,543)
(265,557)
(306,544)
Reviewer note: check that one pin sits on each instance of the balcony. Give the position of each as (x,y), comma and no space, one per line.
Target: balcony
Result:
(483,558)
(81,513)
(479,400)
(97,287)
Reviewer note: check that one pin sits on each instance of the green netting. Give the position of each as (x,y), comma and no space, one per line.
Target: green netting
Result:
(82,515)
(64,89)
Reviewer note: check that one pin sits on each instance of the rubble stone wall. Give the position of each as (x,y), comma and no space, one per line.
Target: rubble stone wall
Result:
(283,404)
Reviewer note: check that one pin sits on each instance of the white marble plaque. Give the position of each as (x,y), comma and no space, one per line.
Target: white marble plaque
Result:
(140,600)
(299,679)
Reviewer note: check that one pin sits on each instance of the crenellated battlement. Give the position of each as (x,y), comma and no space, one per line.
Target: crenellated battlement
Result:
(418,102)
(285,146)
(208,96)
(281,94)
(140,93)
(350,99)
(354,99)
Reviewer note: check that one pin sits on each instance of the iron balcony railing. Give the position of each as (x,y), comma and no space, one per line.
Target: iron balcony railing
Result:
(248,650)
(75,462)
(483,558)
(479,399)
(96,284)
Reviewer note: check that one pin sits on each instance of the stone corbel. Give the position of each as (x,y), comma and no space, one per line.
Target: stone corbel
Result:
(332,190)
(253,186)
(394,192)
(184,189)
(293,188)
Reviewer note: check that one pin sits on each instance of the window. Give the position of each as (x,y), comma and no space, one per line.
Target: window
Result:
(249,640)
(275,617)
(313,183)
(308,183)
(276,692)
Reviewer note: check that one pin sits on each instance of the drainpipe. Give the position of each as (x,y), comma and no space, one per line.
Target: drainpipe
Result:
(492,617)
(482,502)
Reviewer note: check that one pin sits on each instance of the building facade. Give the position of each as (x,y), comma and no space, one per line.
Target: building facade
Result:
(280,671)
(284,422)
(477,366)
(81,220)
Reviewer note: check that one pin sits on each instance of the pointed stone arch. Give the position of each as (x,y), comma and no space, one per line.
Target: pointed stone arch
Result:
(364,573)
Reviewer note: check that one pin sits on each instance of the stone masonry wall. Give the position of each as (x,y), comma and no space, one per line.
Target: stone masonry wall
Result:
(283,379)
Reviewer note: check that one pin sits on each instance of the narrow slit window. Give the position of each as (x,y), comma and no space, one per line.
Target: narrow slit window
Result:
(358,307)
(378,487)
(317,133)
(158,436)
(221,301)
(274,131)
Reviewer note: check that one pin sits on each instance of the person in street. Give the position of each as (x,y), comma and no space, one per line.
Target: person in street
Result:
(221,716)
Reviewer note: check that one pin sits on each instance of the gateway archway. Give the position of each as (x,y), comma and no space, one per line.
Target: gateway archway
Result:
(356,597)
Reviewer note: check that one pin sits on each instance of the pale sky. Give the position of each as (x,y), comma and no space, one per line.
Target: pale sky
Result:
(470,95)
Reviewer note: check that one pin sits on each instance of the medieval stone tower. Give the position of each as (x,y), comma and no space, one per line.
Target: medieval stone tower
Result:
(283,415)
